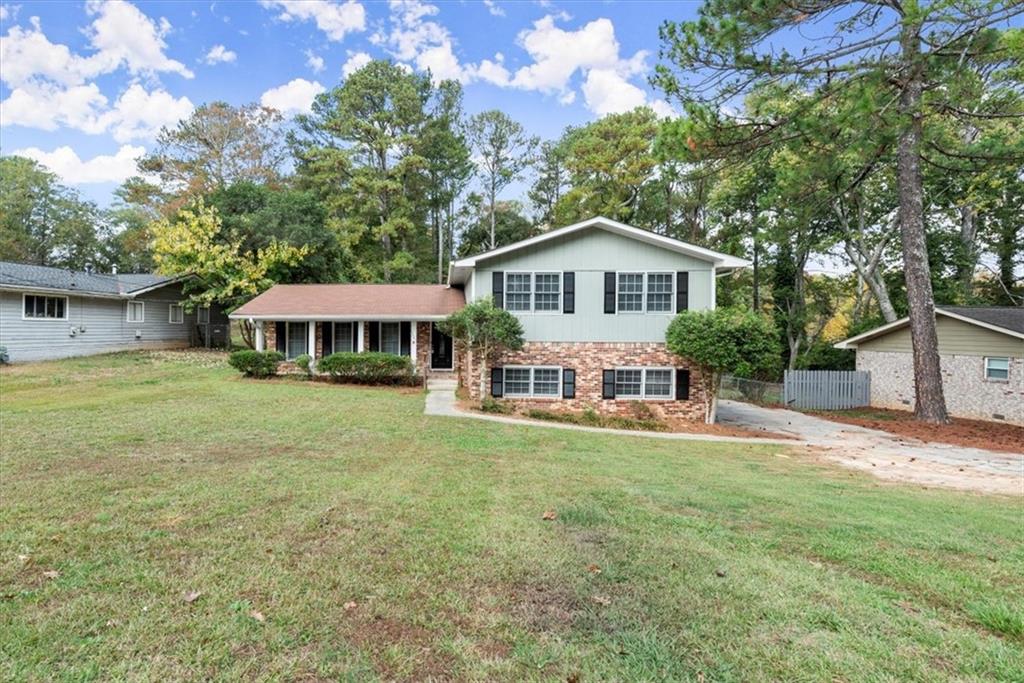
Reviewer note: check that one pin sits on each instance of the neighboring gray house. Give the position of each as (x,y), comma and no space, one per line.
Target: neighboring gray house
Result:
(981,353)
(55,313)
(595,299)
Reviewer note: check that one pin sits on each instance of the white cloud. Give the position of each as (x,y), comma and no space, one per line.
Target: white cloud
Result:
(219,54)
(139,114)
(124,36)
(427,44)
(333,18)
(293,97)
(493,8)
(73,170)
(314,61)
(355,62)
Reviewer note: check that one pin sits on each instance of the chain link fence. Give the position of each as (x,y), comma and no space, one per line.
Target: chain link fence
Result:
(751,391)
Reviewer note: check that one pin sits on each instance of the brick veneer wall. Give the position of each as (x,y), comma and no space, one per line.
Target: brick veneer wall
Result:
(589,359)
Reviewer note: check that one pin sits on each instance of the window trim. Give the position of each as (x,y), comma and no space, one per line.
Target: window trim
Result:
(25,295)
(128,312)
(288,334)
(560,275)
(533,394)
(671,396)
(997,379)
(170,316)
(644,291)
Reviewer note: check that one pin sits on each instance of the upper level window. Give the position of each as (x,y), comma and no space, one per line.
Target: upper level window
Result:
(643,383)
(532,381)
(997,368)
(136,311)
(533,292)
(640,292)
(175,314)
(53,307)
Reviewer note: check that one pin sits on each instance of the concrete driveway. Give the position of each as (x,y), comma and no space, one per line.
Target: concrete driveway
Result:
(887,455)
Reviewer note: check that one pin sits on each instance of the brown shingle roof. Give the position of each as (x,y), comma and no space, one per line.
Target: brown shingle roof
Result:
(354,301)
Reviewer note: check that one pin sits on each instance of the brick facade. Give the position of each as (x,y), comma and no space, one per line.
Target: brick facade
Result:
(589,360)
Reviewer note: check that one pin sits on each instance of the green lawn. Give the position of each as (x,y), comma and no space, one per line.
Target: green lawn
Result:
(335,533)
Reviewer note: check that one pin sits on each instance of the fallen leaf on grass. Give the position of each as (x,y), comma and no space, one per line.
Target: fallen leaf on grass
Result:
(191,596)
(258,616)
(720,573)
(349,605)
(601,600)
(594,569)
(51,574)
(549,515)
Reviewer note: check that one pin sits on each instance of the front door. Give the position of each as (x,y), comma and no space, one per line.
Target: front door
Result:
(440,349)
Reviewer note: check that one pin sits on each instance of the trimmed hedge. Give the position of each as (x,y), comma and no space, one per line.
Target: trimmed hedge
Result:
(256,363)
(368,368)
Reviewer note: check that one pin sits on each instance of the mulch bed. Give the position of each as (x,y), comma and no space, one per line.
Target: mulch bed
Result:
(993,436)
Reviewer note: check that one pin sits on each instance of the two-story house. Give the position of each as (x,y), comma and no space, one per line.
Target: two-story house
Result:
(595,299)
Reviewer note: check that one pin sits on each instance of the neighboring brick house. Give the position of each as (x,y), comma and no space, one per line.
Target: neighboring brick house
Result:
(595,299)
(981,353)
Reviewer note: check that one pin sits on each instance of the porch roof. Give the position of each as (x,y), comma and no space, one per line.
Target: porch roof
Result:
(353,302)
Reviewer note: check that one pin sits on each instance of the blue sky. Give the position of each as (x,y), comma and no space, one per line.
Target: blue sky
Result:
(85,86)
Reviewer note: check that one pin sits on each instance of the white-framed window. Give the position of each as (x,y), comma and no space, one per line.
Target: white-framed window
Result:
(35,306)
(136,311)
(539,292)
(296,340)
(653,383)
(344,340)
(203,315)
(644,292)
(391,338)
(997,369)
(532,381)
(175,314)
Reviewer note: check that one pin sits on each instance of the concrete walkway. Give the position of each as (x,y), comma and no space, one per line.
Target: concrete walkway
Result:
(817,431)
(441,401)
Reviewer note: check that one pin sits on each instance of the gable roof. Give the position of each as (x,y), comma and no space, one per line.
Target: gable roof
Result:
(1005,319)
(353,302)
(46,278)
(458,271)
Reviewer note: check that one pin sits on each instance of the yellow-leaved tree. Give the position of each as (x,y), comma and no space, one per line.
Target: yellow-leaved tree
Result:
(192,242)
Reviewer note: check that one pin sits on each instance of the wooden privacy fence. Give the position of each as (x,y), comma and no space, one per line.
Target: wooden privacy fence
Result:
(826,389)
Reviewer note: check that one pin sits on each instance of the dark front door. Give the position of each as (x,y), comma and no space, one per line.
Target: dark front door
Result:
(440,349)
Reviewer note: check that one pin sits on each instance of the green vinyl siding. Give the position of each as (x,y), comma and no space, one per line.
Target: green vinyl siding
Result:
(955,338)
(589,254)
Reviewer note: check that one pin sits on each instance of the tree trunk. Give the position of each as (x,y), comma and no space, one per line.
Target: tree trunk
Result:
(868,271)
(483,375)
(930,404)
(493,243)
(712,386)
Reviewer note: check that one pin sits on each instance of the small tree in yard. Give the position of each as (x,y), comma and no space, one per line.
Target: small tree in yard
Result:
(484,331)
(724,340)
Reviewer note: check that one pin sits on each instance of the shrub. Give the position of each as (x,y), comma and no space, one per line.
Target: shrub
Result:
(368,368)
(303,362)
(256,363)
(4,358)
(489,405)
(592,419)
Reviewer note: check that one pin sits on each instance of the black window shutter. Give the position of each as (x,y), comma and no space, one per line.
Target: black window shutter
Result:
(607,384)
(374,335)
(498,288)
(568,383)
(609,292)
(279,332)
(327,338)
(682,291)
(405,333)
(682,384)
(568,292)
(497,382)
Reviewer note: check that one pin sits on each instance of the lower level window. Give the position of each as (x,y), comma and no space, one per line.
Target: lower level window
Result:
(532,381)
(175,314)
(643,383)
(997,368)
(296,340)
(344,340)
(45,307)
(391,338)
(136,311)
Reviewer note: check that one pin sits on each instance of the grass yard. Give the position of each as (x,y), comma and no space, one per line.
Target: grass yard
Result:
(164,519)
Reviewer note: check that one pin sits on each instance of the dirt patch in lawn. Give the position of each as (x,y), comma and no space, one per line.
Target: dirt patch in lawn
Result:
(993,436)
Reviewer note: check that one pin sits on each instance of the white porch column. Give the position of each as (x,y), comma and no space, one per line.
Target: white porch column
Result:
(261,340)
(412,342)
(359,336)
(311,338)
